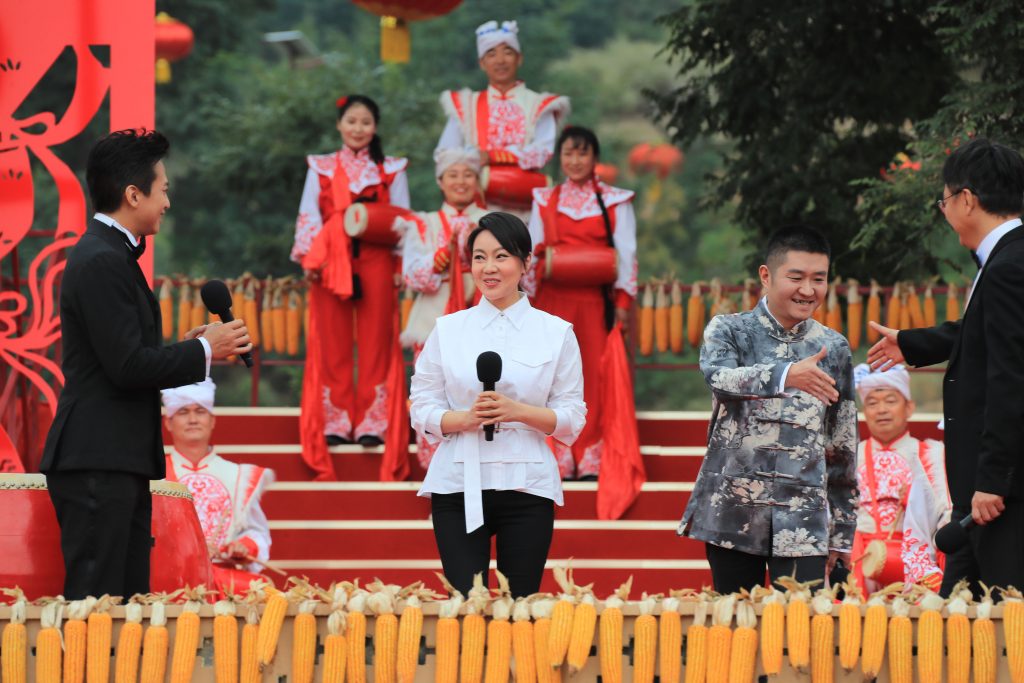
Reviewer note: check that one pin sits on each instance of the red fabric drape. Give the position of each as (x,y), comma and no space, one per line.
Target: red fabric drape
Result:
(329,253)
(622,468)
(311,417)
(394,466)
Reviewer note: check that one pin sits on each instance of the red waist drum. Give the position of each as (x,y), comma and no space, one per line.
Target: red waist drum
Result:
(374,223)
(30,554)
(580,265)
(511,185)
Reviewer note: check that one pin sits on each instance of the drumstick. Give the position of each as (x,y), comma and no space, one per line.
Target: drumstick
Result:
(265,565)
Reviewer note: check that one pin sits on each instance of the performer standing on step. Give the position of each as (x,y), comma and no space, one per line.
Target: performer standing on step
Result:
(226,494)
(587,222)
(891,464)
(506,487)
(778,487)
(352,282)
(435,263)
(513,127)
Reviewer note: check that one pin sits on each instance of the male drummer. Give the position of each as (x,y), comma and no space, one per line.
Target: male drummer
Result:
(510,124)
(226,494)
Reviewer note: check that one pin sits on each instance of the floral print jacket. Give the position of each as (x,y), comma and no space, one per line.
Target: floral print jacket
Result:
(779,476)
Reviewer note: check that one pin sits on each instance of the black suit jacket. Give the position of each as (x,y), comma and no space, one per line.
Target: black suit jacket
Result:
(983,389)
(108,415)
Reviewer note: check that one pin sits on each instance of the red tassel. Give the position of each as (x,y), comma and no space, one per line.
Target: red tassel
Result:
(394,466)
(311,412)
(622,468)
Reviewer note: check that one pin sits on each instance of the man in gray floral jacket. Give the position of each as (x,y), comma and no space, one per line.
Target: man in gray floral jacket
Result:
(777,490)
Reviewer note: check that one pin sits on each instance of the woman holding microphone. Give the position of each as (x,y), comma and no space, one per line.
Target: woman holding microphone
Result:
(506,487)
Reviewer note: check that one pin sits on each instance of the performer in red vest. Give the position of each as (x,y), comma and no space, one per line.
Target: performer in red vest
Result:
(513,127)
(589,228)
(353,283)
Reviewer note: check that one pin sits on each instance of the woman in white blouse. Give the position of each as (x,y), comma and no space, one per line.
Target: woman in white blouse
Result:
(507,487)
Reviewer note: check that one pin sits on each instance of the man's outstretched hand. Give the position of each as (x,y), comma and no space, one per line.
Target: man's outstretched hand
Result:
(886,351)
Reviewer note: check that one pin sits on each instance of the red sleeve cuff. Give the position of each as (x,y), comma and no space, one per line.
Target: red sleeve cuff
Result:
(250,545)
(623,300)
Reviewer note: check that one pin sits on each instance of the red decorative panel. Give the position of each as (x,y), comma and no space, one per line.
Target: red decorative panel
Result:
(112,42)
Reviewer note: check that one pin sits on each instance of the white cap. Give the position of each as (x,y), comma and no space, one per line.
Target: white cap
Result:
(896,378)
(446,158)
(180,397)
(491,35)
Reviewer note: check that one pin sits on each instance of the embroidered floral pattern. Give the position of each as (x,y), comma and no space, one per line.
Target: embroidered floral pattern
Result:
(213,506)
(563,456)
(590,463)
(360,169)
(506,124)
(336,420)
(306,228)
(892,476)
(425,451)
(375,421)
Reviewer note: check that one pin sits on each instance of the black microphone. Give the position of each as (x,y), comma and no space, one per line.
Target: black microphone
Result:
(217,300)
(953,536)
(488,371)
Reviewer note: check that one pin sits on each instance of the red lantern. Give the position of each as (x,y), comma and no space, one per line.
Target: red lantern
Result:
(174,41)
(639,158)
(395,16)
(607,172)
(665,159)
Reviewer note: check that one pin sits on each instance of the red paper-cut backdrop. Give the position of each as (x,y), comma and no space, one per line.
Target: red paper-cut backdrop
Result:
(113,45)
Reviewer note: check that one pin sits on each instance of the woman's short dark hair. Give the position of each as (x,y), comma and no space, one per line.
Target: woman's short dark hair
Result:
(994,173)
(580,137)
(510,232)
(376,145)
(123,158)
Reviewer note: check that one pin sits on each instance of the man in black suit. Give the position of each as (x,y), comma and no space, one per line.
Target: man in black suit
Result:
(983,391)
(105,444)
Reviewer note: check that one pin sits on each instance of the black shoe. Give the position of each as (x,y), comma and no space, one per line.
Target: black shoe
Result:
(370,440)
(587,477)
(335,440)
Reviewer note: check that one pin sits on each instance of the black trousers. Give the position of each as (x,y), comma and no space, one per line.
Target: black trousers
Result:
(732,570)
(105,523)
(522,525)
(994,555)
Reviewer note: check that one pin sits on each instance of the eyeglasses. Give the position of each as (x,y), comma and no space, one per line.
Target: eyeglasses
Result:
(941,203)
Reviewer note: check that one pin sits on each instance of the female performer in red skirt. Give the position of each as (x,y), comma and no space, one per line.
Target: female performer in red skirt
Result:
(353,282)
(585,273)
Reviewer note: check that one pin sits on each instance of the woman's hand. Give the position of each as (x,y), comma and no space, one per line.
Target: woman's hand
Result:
(459,421)
(492,408)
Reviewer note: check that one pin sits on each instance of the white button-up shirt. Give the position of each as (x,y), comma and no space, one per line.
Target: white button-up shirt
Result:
(541,366)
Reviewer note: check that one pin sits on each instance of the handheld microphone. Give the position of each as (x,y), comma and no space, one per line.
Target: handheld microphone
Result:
(488,371)
(217,300)
(953,536)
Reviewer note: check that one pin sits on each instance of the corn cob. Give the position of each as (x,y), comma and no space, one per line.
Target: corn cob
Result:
(499,637)
(849,628)
(894,315)
(798,624)
(48,645)
(834,314)
(914,310)
(952,303)
(410,628)
(154,644)
(129,644)
(647,321)
(541,611)
(670,640)
(901,666)
(14,645)
(355,637)
(854,313)
(743,658)
(958,635)
(874,311)
(280,315)
(661,317)
(385,631)
(984,640)
(293,322)
(823,642)
(715,292)
(1013,632)
(267,317)
(166,310)
(609,650)
(697,643)
(929,637)
(748,299)
(695,316)
(446,647)
(184,309)
(561,620)
(237,297)
(930,314)
(251,312)
(186,639)
(773,629)
(584,621)
(75,640)
(875,630)
(720,639)
(335,648)
(645,640)
(474,633)
(199,316)
(270,625)
(225,642)
(407,301)
(676,333)
(249,657)
(304,642)
(523,652)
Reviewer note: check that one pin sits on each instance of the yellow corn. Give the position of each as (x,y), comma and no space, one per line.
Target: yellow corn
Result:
(129,645)
(661,318)
(697,643)
(499,642)
(743,657)
(166,310)
(834,314)
(930,314)
(1013,632)
(237,297)
(958,635)
(773,625)
(929,638)
(798,627)
(647,321)
(48,646)
(561,630)
(823,641)
(184,309)
(355,636)
(914,311)
(541,611)
(199,313)
(901,647)
(410,628)
(670,642)
(952,303)
(720,640)
(695,316)
(849,630)
(267,317)
(98,641)
(304,643)
(894,311)
(280,314)
(14,642)
(293,323)
(249,660)
(874,310)
(645,641)
(584,620)
(225,642)
(186,643)
(75,640)
(675,319)
(875,631)
(335,648)
(385,633)
(270,627)
(471,658)
(251,312)
(854,313)
(522,643)
(154,646)
(984,637)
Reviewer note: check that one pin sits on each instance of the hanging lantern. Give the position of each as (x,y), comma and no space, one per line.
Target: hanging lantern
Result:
(395,16)
(639,158)
(607,172)
(174,41)
(665,159)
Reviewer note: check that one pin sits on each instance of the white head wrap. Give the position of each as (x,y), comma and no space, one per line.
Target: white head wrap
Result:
(179,397)
(491,35)
(446,158)
(895,377)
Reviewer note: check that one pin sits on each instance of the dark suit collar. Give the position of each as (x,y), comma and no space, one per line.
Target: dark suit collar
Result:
(115,238)
(1012,236)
